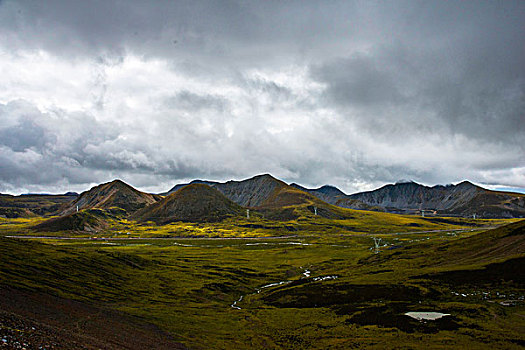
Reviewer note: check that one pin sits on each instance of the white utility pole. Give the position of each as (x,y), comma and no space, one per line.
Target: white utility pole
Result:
(247,213)
(376,243)
(315,211)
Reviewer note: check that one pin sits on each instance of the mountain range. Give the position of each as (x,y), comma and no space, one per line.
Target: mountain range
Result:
(202,200)
(463,199)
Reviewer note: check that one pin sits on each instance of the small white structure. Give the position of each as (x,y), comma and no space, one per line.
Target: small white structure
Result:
(247,213)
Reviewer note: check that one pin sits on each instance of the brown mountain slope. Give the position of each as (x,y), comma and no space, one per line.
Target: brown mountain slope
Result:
(44,321)
(193,203)
(112,194)
(273,198)
(255,192)
(258,191)
(261,192)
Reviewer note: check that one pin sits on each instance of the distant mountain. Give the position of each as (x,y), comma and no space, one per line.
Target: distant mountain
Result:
(195,203)
(74,194)
(463,199)
(114,194)
(335,196)
(326,193)
(179,186)
(28,205)
(258,191)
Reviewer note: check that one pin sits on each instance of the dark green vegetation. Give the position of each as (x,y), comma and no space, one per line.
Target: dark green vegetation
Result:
(332,290)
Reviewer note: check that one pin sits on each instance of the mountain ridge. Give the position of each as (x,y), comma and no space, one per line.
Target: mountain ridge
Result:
(462,199)
(116,193)
(465,199)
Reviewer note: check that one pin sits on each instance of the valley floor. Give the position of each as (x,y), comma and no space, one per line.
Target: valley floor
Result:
(334,291)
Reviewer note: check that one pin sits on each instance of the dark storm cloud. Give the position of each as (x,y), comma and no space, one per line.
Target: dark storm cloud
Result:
(359,81)
(210,30)
(351,93)
(379,89)
(457,67)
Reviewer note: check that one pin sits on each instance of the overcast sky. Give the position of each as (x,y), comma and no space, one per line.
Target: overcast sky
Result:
(353,94)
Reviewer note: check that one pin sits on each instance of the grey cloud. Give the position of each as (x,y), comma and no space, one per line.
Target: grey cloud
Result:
(383,93)
(359,81)
(431,91)
(208,30)
(191,101)
(44,148)
(26,134)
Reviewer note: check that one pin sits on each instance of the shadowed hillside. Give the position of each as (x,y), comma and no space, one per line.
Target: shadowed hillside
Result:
(196,203)
(91,220)
(494,245)
(470,254)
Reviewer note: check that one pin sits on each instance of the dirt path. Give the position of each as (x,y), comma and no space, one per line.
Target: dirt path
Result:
(245,238)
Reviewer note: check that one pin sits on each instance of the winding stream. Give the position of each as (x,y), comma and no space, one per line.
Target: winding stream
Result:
(306,273)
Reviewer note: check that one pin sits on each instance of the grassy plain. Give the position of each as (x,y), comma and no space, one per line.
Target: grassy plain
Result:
(330,287)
